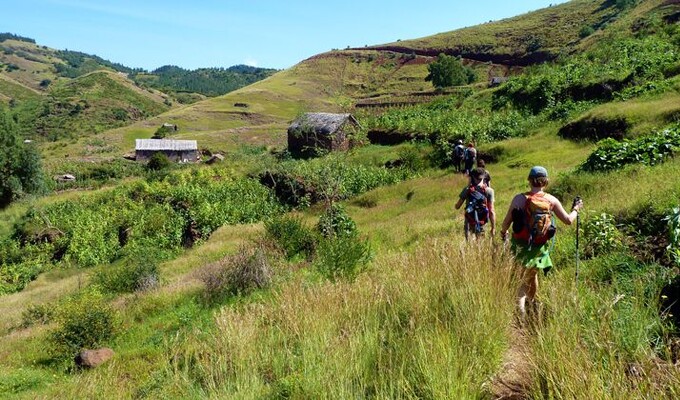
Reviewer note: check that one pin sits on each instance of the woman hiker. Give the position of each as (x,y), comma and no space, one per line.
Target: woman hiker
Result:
(531,216)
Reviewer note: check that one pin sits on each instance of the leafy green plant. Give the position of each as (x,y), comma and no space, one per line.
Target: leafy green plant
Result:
(601,235)
(342,257)
(132,275)
(336,222)
(292,236)
(673,224)
(648,150)
(449,71)
(84,320)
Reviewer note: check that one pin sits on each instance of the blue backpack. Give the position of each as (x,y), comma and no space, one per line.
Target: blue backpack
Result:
(477,209)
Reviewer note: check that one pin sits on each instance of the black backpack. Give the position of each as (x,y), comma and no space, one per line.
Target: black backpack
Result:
(477,209)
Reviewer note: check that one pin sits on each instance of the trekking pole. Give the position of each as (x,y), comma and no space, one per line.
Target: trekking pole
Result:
(577,199)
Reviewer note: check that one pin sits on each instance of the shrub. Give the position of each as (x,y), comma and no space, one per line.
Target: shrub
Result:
(649,150)
(292,236)
(411,159)
(83,321)
(241,273)
(601,235)
(158,162)
(342,257)
(37,314)
(673,224)
(130,276)
(586,31)
(336,222)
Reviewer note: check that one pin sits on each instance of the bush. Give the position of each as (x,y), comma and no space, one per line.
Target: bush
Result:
(342,257)
(336,222)
(648,150)
(131,276)
(37,314)
(601,235)
(83,321)
(241,273)
(158,162)
(292,236)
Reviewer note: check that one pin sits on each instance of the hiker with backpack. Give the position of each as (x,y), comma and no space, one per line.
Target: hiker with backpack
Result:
(458,155)
(487,176)
(479,205)
(532,217)
(470,158)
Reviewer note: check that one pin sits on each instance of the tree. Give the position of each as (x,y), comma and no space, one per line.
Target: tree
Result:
(20,166)
(449,71)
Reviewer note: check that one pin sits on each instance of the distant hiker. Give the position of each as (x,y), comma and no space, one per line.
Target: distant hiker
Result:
(470,157)
(487,177)
(531,215)
(479,205)
(458,155)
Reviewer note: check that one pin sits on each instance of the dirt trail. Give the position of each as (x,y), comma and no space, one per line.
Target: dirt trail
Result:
(514,378)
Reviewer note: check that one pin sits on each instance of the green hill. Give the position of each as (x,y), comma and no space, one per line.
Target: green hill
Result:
(207,284)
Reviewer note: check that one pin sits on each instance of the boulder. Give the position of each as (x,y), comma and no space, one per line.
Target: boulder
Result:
(93,358)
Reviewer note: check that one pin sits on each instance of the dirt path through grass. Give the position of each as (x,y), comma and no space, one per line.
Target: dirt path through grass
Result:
(514,378)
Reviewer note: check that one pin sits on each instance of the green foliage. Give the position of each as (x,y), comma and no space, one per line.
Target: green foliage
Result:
(300,183)
(84,320)
(134,274)
(673,224)
(648,150)
(342,256)
(586,31)
(158,162)
(20,163)
(336,222)
(292,236)
(595,75)
(625,4)
(165,215)
(411,158)
(601,235)
(449,71)
(10,36)
(206,81)
(443,122)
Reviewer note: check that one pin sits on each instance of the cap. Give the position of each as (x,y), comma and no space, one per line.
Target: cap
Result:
(538,172)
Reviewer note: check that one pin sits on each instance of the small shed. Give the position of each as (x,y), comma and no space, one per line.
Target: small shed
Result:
(175,150)
(315,133)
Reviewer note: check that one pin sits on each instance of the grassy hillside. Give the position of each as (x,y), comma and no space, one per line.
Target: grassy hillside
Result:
(224,281)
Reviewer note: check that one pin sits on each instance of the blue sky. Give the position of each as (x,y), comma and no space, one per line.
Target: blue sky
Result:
(213,33)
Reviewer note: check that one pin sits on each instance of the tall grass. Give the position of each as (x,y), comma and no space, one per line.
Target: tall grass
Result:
(431,324)
(603,341)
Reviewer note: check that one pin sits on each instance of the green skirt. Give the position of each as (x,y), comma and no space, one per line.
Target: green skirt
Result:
(534,257)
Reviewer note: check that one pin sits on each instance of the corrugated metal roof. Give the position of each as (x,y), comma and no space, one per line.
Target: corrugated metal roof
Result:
(165,144)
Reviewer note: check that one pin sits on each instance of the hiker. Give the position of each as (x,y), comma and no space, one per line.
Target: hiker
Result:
(531,215)
(479,205)
(470,158)
(487,177)
(458,155)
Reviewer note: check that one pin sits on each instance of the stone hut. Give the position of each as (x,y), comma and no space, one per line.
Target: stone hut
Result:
(176,150)
(313,134)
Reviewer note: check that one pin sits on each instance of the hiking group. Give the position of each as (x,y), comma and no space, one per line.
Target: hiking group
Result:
(464,157)
(531,215)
